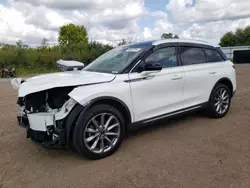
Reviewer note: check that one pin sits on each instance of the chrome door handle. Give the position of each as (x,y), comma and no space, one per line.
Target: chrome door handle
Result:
(139,79)
(148,77)
(212,72)
(176,77)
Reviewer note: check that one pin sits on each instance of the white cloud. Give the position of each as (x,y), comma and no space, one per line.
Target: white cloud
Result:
(109,21)
(162,25)
(13,27)
(46,18)
(160,15)
(82,4)
(114,35)
(105,20)
(119,18)
(147,33)
(73,4)
(212,31)
(208,10)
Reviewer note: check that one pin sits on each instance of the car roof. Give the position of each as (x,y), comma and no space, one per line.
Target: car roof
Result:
(163,41)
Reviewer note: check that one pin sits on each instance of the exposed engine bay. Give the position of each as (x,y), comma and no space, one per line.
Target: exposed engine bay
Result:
(43,114)
(45,101)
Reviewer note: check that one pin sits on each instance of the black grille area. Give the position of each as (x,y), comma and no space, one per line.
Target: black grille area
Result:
(58,96)
(40,101)
(36,102)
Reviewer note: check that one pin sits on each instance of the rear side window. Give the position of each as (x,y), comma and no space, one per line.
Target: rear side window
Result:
(213,55)
(192,55)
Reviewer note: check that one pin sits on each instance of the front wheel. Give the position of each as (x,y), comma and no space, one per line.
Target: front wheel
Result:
(99,132)
(219,101)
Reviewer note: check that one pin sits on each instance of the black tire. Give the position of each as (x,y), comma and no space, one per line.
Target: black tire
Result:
(82,122)
(211,109)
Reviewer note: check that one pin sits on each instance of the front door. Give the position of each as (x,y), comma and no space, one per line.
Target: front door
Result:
(158,93)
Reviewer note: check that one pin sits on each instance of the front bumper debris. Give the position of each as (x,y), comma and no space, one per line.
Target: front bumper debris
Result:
(52,135)
(48,127)
(15,82)
(23,121)
(56,140)
(41,121)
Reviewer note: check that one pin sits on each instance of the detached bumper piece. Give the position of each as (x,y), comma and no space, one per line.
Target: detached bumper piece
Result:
(51,138)
(23,121)
(55,140)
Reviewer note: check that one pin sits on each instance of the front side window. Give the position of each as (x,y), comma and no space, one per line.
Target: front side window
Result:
(192,55)
(165,56)
(213,55)
(115,60)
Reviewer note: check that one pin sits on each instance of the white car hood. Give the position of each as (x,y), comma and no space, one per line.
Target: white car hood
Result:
(61,79)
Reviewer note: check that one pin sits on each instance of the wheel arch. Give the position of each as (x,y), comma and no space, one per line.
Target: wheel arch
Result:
(115,102)
(79,111)
(227,82)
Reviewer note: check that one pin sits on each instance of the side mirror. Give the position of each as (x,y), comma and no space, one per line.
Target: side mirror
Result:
(152,66)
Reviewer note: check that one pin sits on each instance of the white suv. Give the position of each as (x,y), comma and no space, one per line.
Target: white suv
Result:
(138,83)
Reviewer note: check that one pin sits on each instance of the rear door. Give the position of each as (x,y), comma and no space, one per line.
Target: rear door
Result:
(219,67)
(200,75)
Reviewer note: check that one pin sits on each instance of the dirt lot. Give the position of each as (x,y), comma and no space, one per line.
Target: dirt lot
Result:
(193,151)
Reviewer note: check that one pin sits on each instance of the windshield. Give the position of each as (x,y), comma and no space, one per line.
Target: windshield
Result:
(115,60)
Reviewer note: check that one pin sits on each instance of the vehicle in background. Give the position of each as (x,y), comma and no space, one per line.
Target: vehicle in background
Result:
(69,65)
(7,72)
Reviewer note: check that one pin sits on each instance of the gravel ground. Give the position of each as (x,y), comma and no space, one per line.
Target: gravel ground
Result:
(191,151)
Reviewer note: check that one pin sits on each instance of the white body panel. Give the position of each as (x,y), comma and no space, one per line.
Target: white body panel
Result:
(201,78)
(158,93)
(116,89)
(40,121)
(62,79)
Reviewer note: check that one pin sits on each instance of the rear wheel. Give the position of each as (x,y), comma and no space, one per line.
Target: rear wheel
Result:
(219,101)
(99,132)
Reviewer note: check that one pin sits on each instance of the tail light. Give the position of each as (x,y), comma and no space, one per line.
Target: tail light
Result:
(233,66)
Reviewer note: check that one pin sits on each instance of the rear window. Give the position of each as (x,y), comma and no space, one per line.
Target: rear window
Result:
(213,55)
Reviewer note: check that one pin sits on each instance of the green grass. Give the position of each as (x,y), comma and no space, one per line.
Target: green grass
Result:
(34,71)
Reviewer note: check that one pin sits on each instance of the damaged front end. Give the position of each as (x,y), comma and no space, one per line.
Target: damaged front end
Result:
(44,114)
(48,108)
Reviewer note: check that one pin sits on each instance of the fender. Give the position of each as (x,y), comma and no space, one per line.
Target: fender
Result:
(79,111)
(113,99)
(221,80)
(228,80)
(119,91)
(71,119)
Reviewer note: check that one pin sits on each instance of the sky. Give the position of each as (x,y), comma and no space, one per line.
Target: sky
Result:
(108,21)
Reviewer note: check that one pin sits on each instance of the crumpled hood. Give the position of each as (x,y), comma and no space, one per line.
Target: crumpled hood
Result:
(60,79)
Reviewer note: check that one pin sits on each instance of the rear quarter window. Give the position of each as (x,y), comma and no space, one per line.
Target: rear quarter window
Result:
(213,55)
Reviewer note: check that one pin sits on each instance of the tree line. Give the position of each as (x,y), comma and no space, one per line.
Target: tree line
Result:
(73,45)
(241,37)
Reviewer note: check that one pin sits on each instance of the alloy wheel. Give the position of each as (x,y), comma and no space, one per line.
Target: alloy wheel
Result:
(102,133)
(221,102)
